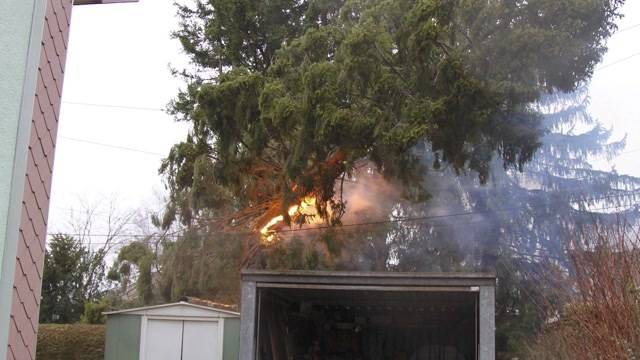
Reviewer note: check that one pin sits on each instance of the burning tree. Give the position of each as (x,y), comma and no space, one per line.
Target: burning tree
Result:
(287,97)
(289,100)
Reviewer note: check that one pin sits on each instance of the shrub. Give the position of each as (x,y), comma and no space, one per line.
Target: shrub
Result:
(93,312)
(603,320)
(70,342)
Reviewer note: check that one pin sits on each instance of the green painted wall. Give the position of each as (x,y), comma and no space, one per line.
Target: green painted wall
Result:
(21,26)
(123,337)
(231,346)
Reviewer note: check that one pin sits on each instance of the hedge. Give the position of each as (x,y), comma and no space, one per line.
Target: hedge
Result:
(70,342)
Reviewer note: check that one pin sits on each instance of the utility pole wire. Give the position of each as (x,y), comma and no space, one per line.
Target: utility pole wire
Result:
(618,61)
(112,146)
(627,28)
(127,107)
(179,232)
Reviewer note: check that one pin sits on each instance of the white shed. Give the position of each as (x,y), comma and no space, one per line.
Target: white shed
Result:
(181,330)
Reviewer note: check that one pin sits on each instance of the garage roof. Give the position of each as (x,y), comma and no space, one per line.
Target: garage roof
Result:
(367,279)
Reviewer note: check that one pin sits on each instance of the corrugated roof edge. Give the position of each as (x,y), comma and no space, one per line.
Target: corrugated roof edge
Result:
(356,274)
(369,278)
(169,305)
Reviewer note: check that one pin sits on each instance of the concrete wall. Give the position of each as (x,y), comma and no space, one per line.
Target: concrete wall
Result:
(123,337)
(33,167)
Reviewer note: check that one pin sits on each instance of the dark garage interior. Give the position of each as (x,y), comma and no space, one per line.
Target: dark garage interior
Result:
(336,323)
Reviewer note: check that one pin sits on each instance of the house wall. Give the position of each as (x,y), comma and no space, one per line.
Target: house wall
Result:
(21,24)
(24,243)
(123,337)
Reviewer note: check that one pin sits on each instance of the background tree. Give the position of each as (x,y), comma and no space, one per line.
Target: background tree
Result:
(201,264)
(520,223)
(134,264)
(73,275)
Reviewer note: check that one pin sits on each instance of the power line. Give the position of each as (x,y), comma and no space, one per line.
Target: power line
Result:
(353,225)
(627,28)
(499,198)
(128,107)
(522,288)
(343,228)
(618,61)
(112,146)
(422,218)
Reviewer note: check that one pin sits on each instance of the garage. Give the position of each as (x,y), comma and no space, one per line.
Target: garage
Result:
(183,331)
(367,315)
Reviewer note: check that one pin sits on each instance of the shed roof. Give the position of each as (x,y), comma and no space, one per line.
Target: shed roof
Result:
(168,307)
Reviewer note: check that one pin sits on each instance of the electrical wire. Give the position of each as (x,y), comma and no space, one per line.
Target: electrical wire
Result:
(112,146)
(513,273)
(127,107)
(628,194)
(627,28)
(180,232)
(618,61)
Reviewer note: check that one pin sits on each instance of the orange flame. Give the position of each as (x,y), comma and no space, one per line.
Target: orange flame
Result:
(306,207)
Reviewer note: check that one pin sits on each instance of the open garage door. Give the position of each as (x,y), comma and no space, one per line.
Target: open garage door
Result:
(340,324)
(367,315)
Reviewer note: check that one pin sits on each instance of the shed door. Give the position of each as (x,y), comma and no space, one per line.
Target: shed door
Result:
(200,341)
(182,340)
(163,340)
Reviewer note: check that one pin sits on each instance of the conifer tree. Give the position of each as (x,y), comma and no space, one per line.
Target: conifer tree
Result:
(520,223)
(287,96)
(449,99)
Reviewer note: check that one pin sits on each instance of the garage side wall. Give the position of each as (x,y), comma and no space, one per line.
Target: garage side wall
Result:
(123,337)
(231,346)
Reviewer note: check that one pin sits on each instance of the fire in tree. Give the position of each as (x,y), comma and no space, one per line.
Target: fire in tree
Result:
(305,211)
(287,97)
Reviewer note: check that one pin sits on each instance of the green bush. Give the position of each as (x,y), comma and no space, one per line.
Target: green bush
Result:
(94,312)
(70,342)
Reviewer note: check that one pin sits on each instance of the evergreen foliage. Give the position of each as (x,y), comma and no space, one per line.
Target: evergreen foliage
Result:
(520,224)
(287,96)
(201,264)
(136,259)
(94,312)
(73,275)
(458,102)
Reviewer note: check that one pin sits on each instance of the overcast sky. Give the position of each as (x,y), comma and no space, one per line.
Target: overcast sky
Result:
(113,133)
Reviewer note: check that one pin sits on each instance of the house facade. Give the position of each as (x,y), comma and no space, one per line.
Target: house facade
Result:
(34,35)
